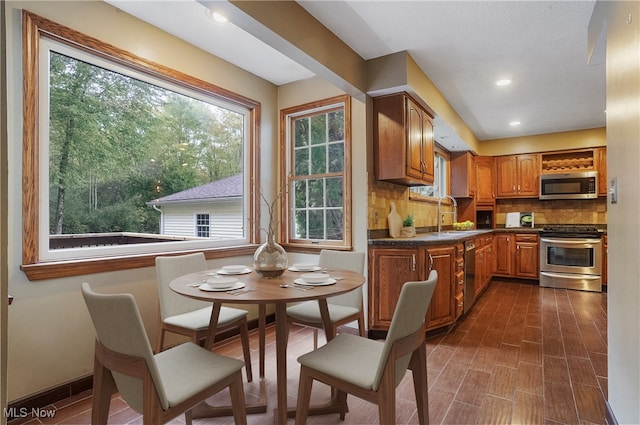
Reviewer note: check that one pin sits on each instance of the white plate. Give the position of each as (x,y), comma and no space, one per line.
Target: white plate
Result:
(234,268)
(245,271)
(312,269)
(205,287)
(329,281)
(222,282)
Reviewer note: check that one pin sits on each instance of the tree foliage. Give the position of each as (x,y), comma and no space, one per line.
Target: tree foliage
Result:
(116,142)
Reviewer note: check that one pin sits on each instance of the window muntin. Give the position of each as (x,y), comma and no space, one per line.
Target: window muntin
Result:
(38,261)
(318,173)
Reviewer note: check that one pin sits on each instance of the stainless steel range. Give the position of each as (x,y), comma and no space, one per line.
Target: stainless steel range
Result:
(571,258)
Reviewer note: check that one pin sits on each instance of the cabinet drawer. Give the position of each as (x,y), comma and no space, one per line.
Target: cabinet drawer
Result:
(524,237)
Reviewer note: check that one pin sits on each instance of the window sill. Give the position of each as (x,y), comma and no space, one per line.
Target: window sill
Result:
(58,269)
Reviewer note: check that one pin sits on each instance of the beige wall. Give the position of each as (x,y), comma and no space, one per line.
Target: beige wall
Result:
(50,336)
(544,142)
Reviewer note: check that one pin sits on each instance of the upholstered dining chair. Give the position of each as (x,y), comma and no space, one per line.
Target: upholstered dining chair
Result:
(186,316)
(160,386)
(344,308)
(371,369)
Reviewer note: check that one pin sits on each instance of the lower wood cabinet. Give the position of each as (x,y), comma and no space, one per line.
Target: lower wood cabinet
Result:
(485,263)
(517,255)
(390,268)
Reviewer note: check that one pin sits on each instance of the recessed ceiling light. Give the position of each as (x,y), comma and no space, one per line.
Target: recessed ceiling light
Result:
(503,82)
(514,123)
(216,16)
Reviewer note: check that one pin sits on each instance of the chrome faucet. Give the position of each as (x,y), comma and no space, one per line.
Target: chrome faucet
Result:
(454,212)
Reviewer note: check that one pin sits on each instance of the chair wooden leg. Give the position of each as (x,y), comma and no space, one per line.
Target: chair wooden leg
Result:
(387,403)
(315,339)
(361,325)
(188,417)
(103,388)
(237,401)
(304,397)
(246,350)
(418,366)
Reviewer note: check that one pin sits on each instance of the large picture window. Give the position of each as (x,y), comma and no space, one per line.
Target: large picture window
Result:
(318,173)
(127,153)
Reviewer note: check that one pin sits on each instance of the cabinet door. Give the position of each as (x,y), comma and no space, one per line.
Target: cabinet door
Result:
(528,175)
(481,268)
(602,171)
(442,310)
(503,250)
(527,260)
(506,176)
(415,160)
(463,175)
(605,263)
(485,180)
(427,148)
(389,269)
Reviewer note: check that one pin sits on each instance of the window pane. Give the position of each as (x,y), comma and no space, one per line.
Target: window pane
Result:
(301,136)
(318,129)
(334,224)
(319,159)
(316,224)
(302,162)
(300,193)
(124,152)
(334,192)
(300,230)
(336,157)
(336,126)
(316,193)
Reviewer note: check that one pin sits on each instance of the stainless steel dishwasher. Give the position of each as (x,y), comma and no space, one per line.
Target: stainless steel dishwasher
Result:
(469,274)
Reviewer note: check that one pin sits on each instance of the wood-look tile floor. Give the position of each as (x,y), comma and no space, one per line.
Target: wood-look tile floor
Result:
(523,355)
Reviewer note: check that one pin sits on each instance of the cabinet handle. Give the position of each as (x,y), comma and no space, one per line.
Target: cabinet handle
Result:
(513,189)
(430,262)
(518,188)
(413,262)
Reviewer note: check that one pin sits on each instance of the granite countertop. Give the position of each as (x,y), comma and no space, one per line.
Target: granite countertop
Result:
(446,237)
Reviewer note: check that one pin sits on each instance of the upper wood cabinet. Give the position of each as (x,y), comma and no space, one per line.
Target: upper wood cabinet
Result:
(601,167)
(403,141)
(517,176)
(485,179)
(463,175)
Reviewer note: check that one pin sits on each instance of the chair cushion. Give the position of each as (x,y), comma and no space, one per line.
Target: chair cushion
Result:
(187,369)
(199,319)
(351,358)
(309,311)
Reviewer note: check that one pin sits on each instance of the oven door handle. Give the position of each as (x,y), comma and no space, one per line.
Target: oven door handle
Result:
(569,241)
(571,276)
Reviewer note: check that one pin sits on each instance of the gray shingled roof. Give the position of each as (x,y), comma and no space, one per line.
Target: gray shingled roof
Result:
(229,187)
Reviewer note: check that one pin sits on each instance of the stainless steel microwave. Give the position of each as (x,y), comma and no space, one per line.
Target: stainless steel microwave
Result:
(578,185)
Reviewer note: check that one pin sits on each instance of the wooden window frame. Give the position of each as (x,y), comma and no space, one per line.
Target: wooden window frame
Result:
(286,152)
(34,27)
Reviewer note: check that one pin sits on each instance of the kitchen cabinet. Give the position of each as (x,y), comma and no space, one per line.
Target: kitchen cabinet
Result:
(603,185)
(485,260)
(390,268)
(517,176)
(459,280)
(527,255)
(517,255)
(503,244)
(605,265)
(403,141)
(442,310)
(485,180)
(463,175)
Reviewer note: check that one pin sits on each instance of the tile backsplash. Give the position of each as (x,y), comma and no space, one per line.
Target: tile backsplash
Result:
(583,211)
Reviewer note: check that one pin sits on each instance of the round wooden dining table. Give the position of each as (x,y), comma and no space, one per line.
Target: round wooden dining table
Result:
(263,291)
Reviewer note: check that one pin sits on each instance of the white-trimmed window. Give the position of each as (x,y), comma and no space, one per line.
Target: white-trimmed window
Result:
(318,173)
(113,139)
(203,225)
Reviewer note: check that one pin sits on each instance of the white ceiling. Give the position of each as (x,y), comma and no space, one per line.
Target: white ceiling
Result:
(463,47)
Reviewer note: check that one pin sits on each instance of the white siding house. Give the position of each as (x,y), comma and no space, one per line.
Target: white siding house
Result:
(213,210)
